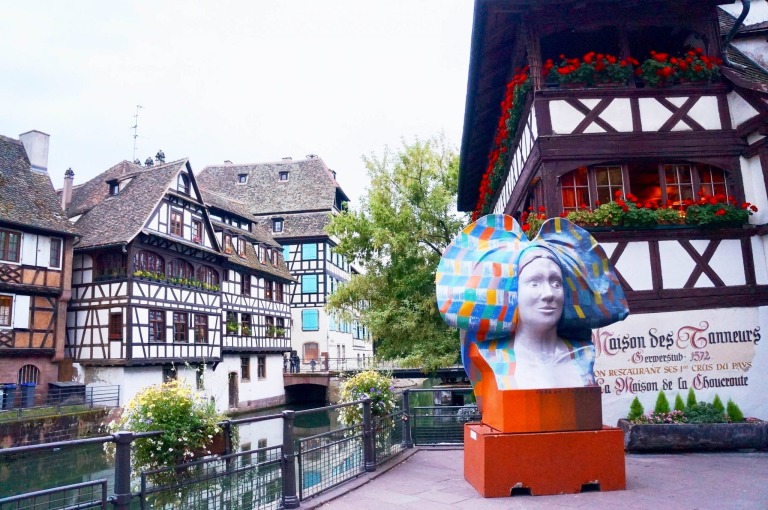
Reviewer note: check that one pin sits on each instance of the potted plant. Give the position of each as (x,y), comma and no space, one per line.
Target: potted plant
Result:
(691,426)
(246,330)
(232,327)
(695,67)
(592,69)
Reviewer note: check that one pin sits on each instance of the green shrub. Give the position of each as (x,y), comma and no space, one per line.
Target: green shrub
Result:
(368,384)
(734,413)
(704,413)
(662,404)
(679,404)
(718,404)
(691,399)
(635,410)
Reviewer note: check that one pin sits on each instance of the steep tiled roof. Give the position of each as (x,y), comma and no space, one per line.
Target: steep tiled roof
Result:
(251,259)
(310,185)
(298,225)
(746,72)
(27,197)
(114,219)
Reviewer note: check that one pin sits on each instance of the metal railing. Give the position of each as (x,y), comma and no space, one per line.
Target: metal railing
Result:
(268,477)
(76,496)
(29,400)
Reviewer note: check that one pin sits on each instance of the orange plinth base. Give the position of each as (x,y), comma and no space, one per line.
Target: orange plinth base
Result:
(546,410)
(544,462)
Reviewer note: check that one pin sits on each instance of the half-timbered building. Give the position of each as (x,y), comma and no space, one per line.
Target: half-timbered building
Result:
(35,266)
(294,201)
(255,311)
(531,141)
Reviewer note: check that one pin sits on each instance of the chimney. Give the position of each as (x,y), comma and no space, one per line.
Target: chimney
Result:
(227,162)
(66,192)
(36,145)
(287,158)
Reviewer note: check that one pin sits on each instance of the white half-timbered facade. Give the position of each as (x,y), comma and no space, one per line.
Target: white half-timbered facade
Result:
(303,196)
(698,297)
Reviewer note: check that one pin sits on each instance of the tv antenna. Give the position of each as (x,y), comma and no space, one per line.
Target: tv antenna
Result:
(135,130)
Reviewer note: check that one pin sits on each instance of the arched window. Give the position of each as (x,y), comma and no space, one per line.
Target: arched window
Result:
(148,261)
(178,268)
(207,274)
(29,374)
(109,265)
(182,185)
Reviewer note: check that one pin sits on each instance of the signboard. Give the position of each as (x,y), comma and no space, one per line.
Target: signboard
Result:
(721,351)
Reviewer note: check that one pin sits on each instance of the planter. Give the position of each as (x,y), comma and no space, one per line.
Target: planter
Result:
(694,436)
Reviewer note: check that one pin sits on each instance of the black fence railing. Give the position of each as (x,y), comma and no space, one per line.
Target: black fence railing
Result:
(25,400)
(268,477)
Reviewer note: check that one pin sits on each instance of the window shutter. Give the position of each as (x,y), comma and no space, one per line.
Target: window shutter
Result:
(21,312)
(309,320)
(29,249)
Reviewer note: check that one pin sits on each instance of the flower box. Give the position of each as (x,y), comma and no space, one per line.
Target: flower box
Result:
(694,436)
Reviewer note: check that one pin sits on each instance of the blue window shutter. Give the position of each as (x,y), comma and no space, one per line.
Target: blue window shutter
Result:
(309,320)
(286,253)
(309,251)
(308,283)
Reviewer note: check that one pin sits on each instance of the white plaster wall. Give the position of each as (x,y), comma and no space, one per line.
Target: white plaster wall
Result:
(131,380)
(676,264)
(565,117)
(705,112)
(755,188)
(727,262)
(754,48)
(741,111)
(653,114)
(635,266)
(217,382)
(619,115)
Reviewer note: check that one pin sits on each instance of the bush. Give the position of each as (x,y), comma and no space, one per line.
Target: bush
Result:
(662,404)
(734,413)
(718,404)
(704,413)
(635,410)
(189,422)
(691,399)
(368,384)
(679,404)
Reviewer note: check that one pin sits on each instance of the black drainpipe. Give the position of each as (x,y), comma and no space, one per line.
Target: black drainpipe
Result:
(732,33)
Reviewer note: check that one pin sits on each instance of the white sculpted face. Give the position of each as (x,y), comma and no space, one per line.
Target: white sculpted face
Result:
(540,293)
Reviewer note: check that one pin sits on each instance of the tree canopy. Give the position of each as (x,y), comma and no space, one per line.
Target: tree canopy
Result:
(398,234)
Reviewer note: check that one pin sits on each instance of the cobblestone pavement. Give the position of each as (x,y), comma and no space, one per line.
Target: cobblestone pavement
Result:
(433,479)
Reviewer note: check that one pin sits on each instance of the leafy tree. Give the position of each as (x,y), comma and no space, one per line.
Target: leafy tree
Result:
(690,401)
(679,404)
(398,236)
(662,404)
(718,404)
(635,410)
(734,413)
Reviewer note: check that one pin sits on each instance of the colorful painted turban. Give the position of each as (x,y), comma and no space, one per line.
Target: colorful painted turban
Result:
(478,274)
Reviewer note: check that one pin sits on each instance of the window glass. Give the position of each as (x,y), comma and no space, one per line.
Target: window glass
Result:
(177,223)
(283,176)
(608,181)
(180,327)
(309,320)
(115,326)
(197,231)
(712,181)
(201,329)
(183,184)
(261,370)
(10,246)
(245,368)
(308,283)
(575,189)
(245,285)
(156,325)
(109,265)
(207,274)
(309,251)
(679,184)
(148,261)
(178,268)
(6,309)
(55,259)
(277,225)
(644,183)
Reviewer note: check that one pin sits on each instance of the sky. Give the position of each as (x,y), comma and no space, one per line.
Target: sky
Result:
(245,81)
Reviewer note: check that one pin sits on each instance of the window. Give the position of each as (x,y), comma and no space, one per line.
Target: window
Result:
(201,329)
(309,320)
(245,286)
(310,352)
(270,323)
(273,257)
(156,325)
(148,261)
(208,275)
(109,265)
(197,231)
(177,223)
(169,373)
(245,324)
(182,269)
(277,224)
(10,246)
(712,182)
(283,175)
(575,190)
(241,244)
(309,251)
(308,283)
(245,368)
(261,455)
(114,187)
(242,178)
(280,329)
(116,326)
(269,290)
(608,180)
(226,243)
(55,259)
(6,309)
(278,292)
(679,184)
(180,327)
(261,367)
(182,184)
(29,374)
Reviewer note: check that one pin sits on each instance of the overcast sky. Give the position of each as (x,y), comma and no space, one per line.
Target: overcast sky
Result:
(246,81)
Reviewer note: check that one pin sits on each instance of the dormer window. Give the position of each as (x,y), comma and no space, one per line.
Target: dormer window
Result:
(277,224)
(241,247)
(242,178)
(284,175)
(114,187)
(182,185)
(227,242)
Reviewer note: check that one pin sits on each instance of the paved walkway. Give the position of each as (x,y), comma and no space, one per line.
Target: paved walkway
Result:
(433,479)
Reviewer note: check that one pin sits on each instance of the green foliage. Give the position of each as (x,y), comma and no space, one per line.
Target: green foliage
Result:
(398,235)
(635,410)
(639,216)
(668,216)
(715,214)
(690,401)
(369,384)
(734,413)
(703,412)
(662,404)
(189,423)
(679,404)
(717,403)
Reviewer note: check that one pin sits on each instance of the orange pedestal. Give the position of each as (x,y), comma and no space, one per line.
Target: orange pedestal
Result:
(545,410)
(544,462)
